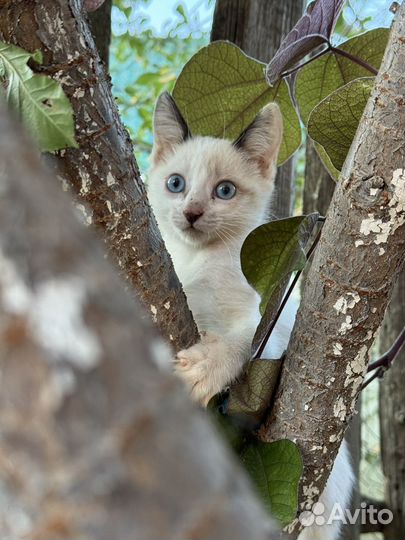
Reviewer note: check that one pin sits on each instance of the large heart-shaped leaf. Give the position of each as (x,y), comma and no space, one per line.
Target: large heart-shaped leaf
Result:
(252,393)
(334,121)
(313,29)
(275,469)
(326,74)
(220,91)
(272,251)
(332,170)
(38,100)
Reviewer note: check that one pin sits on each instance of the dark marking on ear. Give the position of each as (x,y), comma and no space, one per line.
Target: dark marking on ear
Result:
(178,116)
(261,140)
(169,127)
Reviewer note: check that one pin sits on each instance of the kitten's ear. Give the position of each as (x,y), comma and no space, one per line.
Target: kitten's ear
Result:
(261,140)
(169,127)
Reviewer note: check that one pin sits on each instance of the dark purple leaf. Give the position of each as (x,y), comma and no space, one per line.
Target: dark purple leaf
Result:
(92,5)
(313,29)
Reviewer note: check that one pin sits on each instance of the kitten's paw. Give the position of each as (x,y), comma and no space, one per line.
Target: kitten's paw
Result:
(203,367)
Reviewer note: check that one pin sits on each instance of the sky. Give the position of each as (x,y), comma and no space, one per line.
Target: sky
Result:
(161,15)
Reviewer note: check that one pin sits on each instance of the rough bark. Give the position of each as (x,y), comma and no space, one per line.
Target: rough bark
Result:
(392,416)
(258,27)
(318,192)
(102,173)
(98,439)
(349,284)
(100,24)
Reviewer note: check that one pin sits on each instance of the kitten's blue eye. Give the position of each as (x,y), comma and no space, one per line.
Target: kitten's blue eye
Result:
(176,183)
(225,190)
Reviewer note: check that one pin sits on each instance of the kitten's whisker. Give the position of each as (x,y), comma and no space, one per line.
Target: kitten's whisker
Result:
(225,244)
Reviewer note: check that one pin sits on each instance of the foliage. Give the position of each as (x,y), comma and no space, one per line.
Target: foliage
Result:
(333,122)
(144,63)
(220,90)
(275,469)
(37,99)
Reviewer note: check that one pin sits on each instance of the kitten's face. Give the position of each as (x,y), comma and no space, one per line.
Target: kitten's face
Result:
(205,190)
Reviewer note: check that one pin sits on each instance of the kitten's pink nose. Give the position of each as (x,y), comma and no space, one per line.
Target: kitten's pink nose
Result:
(193,215)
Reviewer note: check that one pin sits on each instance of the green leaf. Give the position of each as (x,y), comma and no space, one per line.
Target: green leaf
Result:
(333,123)
(275,469)
(323,76)
(252,393)
(38,100)
(334,173)
(220,91)
(271,252)
(231,427)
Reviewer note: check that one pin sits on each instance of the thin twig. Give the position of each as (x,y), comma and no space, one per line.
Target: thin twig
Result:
(385,361)
(290,289)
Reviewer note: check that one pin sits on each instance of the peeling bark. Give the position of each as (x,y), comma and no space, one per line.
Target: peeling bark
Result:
(258,27)
(97,438)
(102,173)
(349,284)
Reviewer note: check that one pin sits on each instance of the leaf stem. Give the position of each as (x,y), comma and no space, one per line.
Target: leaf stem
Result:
(299,66)
(354,59)
(336,50)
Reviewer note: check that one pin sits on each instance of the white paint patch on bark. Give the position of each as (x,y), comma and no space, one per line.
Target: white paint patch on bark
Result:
(86,182)
(310,493)
(355,370)
(110,179)
(57,320)
(84,213)
(54,313)
(154,312)
(346,325)
(337,349)
(61,384)
(339,409)
(396,211)
(359,243)
(343,303)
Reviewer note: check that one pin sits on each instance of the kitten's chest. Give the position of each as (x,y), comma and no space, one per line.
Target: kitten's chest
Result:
(216,289)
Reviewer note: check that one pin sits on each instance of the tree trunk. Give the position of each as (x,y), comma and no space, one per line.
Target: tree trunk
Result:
(102,173)
(98,439)
(258,27)
(100,24)
(318,192)
(392,416)
(349,284)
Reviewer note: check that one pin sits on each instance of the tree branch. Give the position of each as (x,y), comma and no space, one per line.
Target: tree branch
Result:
(350,281)
(98,440)
(102,173)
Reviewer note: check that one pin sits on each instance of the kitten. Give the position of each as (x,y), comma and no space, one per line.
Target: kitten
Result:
(208,194)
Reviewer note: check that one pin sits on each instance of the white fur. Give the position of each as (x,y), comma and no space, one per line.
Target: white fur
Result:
(207,256)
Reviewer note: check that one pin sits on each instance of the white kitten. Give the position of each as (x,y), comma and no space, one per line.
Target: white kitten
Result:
(208,194)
